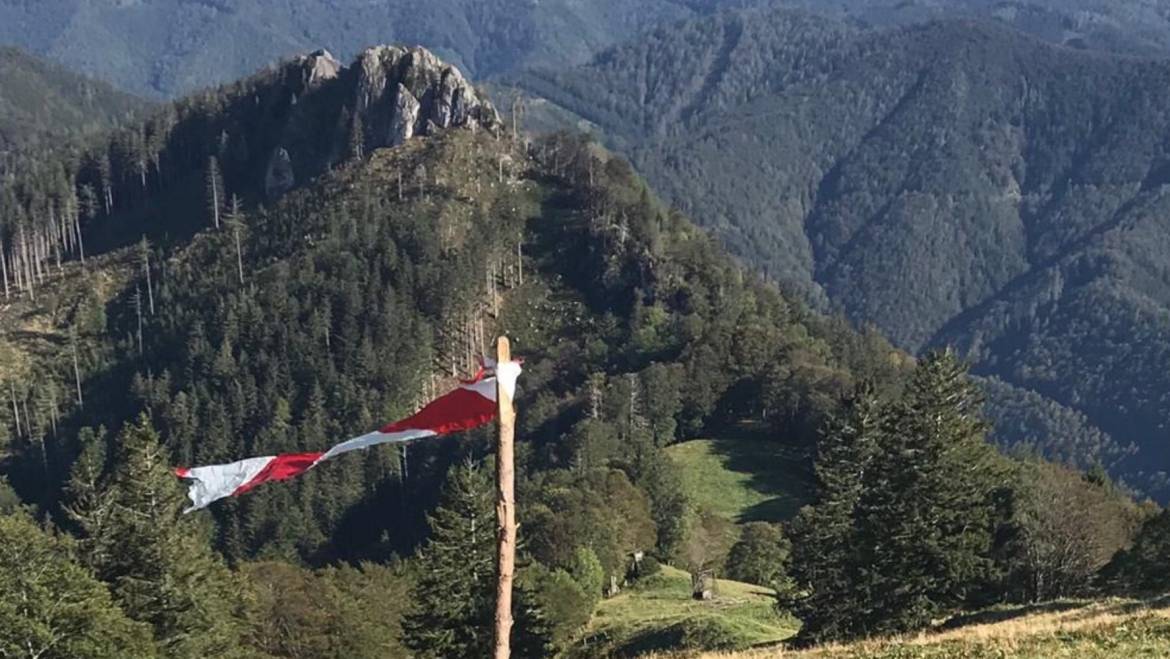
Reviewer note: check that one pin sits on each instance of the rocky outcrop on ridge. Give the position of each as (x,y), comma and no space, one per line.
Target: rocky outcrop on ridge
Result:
(389,95)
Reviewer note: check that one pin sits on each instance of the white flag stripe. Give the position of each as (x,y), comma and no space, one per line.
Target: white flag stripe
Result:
(374,438)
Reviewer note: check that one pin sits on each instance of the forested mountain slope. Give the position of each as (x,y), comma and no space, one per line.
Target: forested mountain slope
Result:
(309,253)
(949,183)
(1121,26)
(278,286)
(42,103)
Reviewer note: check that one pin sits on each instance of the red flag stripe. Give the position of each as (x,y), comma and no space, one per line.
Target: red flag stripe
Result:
(468,406)
(279,468)
(462,409)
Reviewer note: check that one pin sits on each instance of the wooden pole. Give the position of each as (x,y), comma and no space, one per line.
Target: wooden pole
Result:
(505,505)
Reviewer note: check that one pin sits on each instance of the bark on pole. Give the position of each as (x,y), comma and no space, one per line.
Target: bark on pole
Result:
(505,506)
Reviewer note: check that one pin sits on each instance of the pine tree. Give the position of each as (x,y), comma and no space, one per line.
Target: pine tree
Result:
(455,594)
(156,561)
(91,503)
(923,523)
(52,608)
(823,552)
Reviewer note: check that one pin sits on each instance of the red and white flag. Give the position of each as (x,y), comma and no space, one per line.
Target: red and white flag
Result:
(469,406)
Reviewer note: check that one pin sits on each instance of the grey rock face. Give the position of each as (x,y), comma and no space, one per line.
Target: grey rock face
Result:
(404,116)
(319,66)
(408,89)
(388,96)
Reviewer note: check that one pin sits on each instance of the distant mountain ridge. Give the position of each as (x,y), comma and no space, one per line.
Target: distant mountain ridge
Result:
(41,103)
(951,183)
(169,47)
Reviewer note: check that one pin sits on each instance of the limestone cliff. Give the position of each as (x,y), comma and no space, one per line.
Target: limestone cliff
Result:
(325,112)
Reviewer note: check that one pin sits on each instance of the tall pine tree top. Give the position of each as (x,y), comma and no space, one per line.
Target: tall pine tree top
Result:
(824,555)
(52,608)
(156,560)
(455,594)
(924,520)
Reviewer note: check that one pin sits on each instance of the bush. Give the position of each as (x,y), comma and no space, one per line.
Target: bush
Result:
(9,501)
(647,568)
(640,571)
(587,571)
(760,556)
(558,607)
(707,634)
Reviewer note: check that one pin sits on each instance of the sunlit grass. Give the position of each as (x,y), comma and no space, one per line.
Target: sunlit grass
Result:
(644,618)
(1061,630)
(743,479)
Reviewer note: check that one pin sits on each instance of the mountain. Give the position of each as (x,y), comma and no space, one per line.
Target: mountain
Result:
(309,253)
(300,255)
(171,47)
(951,183)
(303,255)
(163,49)
(42,103)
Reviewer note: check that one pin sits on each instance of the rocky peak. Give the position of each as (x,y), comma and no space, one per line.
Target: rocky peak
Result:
(421,92)
(318,66)
(389,95)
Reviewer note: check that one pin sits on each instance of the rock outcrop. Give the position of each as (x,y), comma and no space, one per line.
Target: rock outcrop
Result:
(401,92)
(323,112)
(318,67)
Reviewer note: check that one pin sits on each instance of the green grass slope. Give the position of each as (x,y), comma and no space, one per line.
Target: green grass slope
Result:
(660,613)
(743,479)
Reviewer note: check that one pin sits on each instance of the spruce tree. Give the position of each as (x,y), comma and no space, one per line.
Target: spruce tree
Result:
(823,552)
(157,562)
(455,594)
(923,522)
(52,608)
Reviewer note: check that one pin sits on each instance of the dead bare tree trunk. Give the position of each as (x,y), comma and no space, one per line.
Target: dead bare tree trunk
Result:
(146,271)
(239,253)
(15,405)
(214,191)
(138,311)
(80,242)
(53,410)
(4,268)
(76,369)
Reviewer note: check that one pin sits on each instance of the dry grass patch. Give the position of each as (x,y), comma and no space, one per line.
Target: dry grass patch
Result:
(1059,630)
